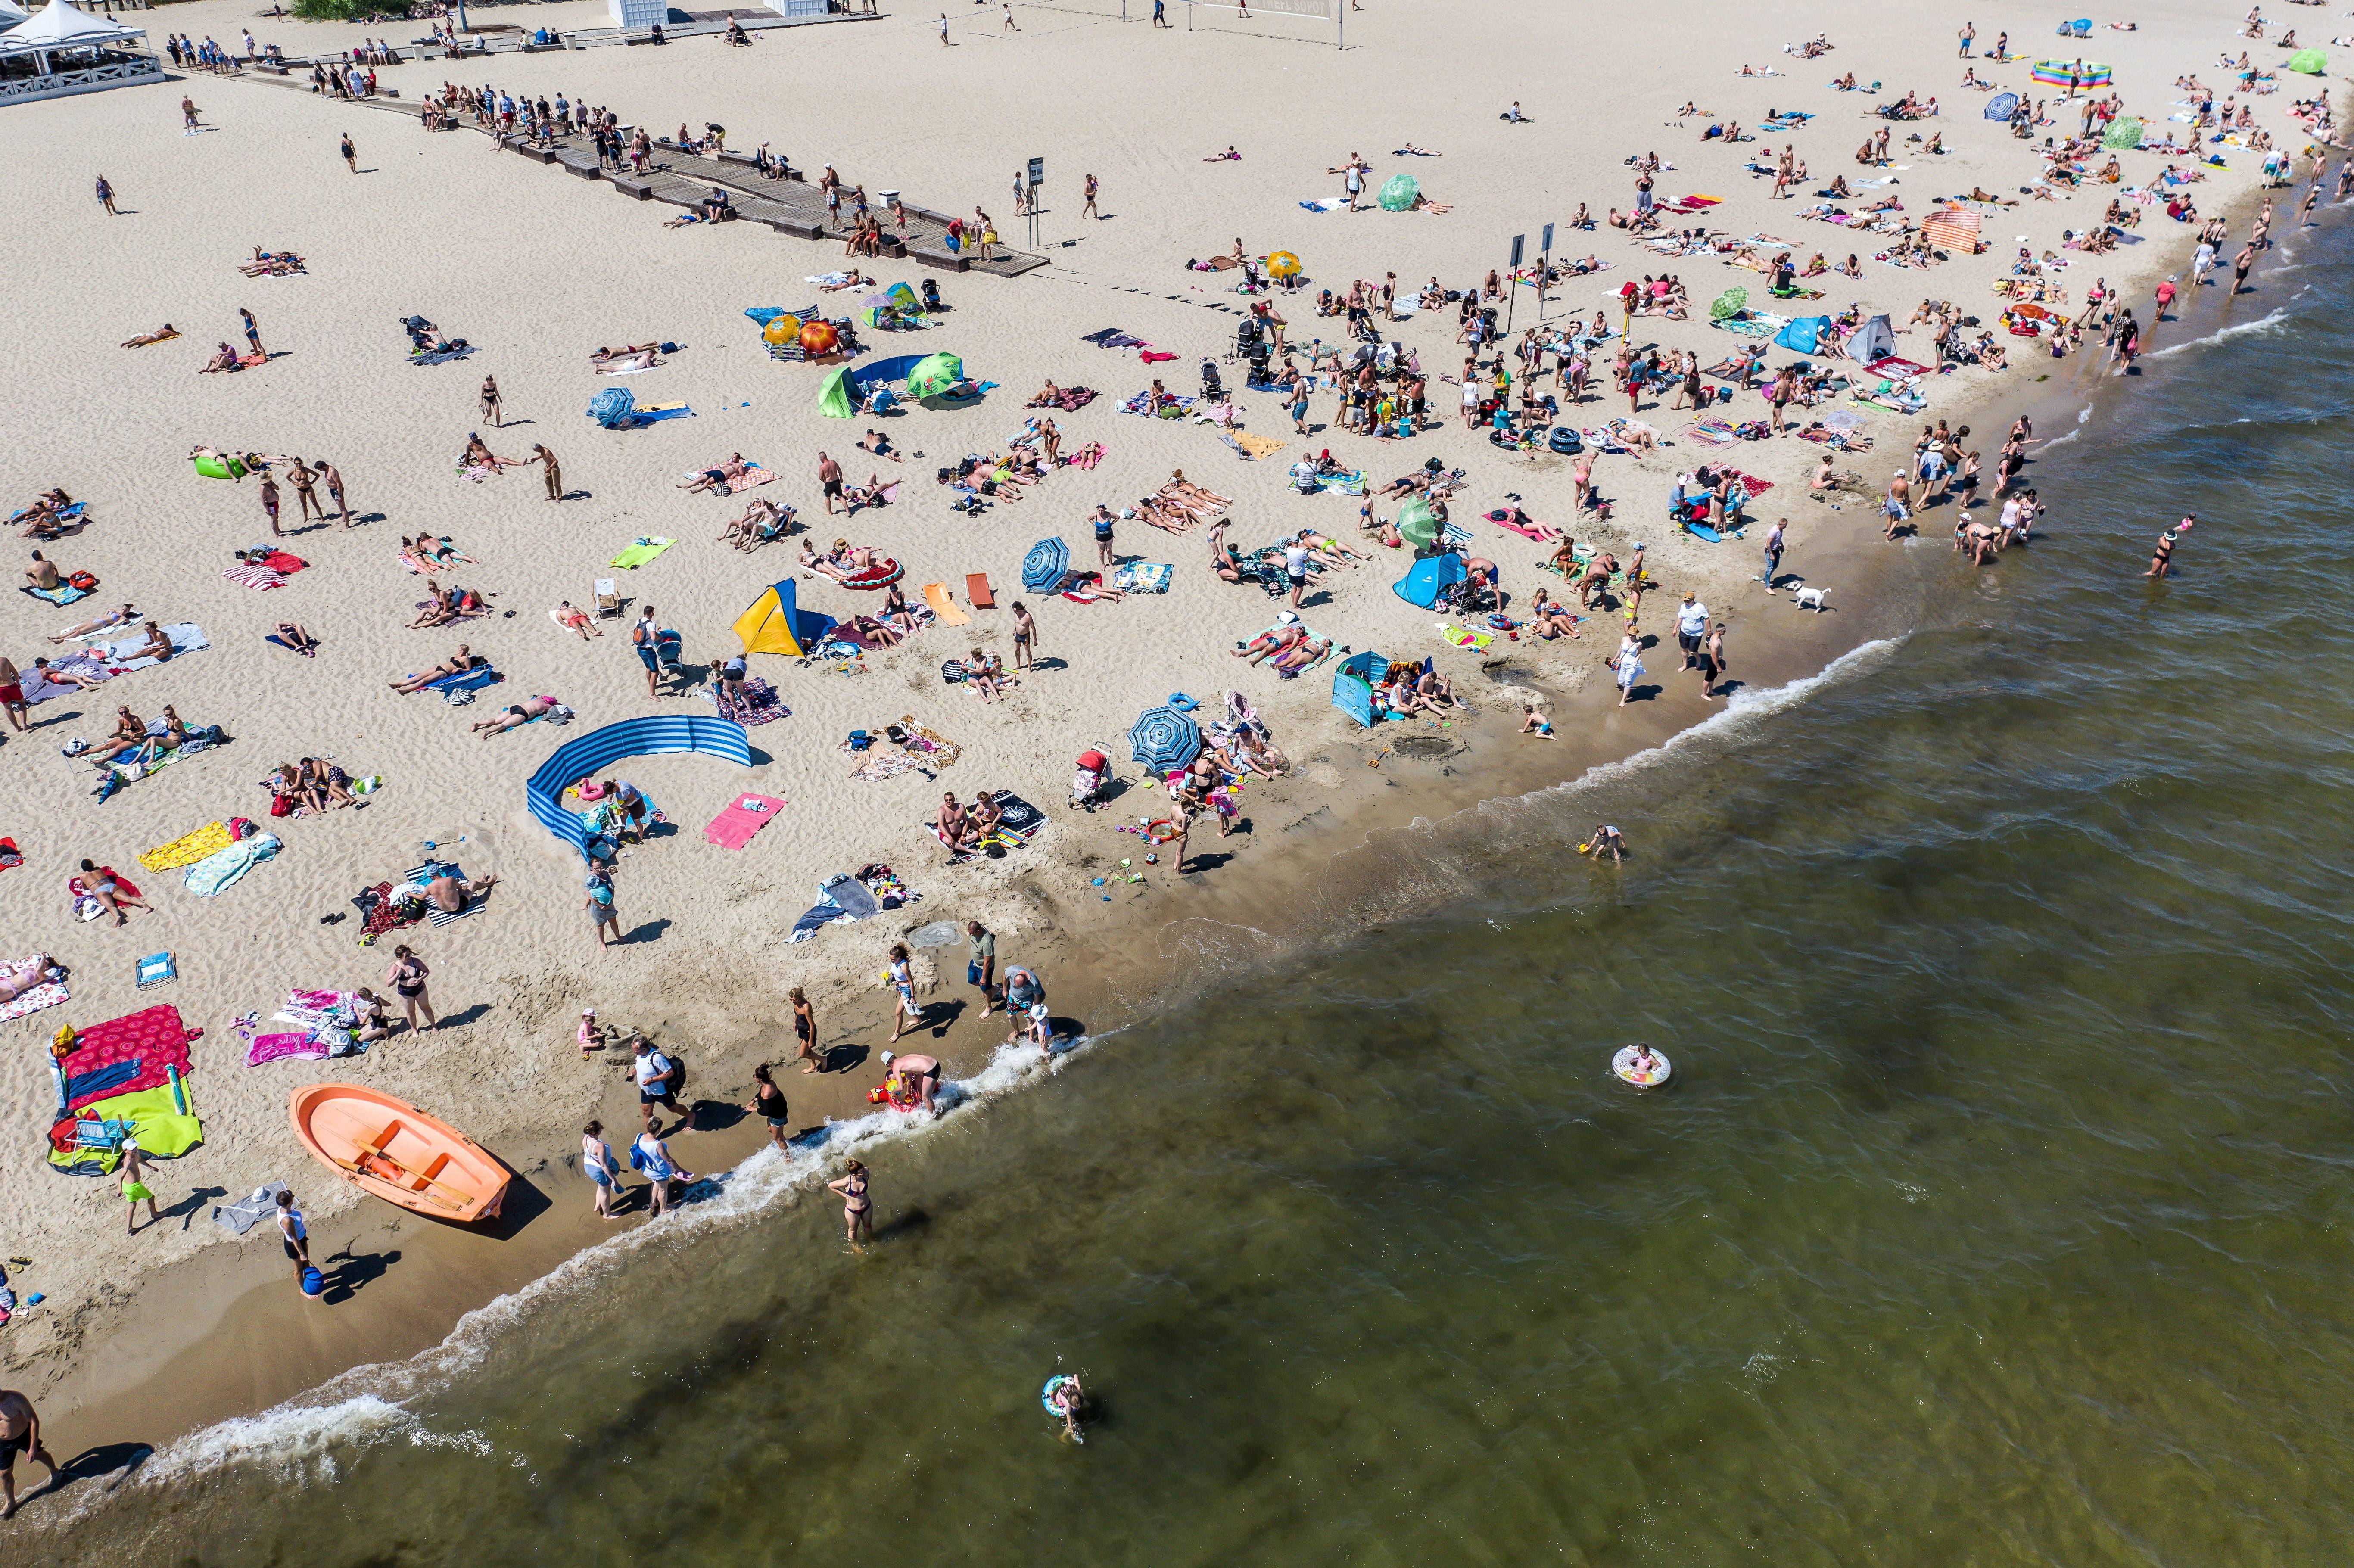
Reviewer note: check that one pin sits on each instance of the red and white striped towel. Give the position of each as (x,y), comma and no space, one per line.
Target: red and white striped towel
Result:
(256,578)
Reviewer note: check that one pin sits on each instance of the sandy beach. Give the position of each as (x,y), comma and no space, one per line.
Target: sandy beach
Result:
(536,269)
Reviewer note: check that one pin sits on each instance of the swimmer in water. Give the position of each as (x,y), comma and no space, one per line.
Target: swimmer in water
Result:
(1068,1400)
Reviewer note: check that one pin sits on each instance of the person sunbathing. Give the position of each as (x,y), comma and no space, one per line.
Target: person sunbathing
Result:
(439,610)
(1550,619)
(130,733)
(572,617)
(457,662)
(1300,655)
(161,335)
(604,359)
(879,443)
(1230,156)
(38,970)
(717,480)
(441,552)
(1269,644)
(832,564)
(111,618)
(479,455)
(155,646)
(1049,396)
(516,716)
(450,894)
(295,637)
(323,785)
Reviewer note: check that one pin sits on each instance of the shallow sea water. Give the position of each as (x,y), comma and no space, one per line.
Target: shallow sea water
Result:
(1996,1215)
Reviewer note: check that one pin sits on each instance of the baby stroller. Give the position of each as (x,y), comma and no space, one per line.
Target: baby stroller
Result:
(931,292)
(1212,388)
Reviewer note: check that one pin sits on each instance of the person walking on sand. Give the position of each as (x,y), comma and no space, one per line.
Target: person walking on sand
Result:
(408,979)
(829,479)
(1628,663)
(1774,551)
(857,1205)
(1011,25)
(20,1433)
(270,504)
(651,1156)
(1898,505)
(944,27)
(135,1190)
(805,1049)
(1089,210)
(1160,14)
(552,472)
(1691,628)
(491,408)
(602,915)
(1712,659)
(188,112)
(295,1237)
(597,1163)
(902,978)
(767,1102)
(12,695)
(351,154)
(658,1079)
(106,194)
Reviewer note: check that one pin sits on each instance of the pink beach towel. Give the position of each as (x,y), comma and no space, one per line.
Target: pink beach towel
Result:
(733,828)
(276,1047)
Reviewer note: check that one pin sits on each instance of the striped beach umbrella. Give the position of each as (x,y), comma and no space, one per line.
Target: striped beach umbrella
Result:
(1162,739)
(1042,568)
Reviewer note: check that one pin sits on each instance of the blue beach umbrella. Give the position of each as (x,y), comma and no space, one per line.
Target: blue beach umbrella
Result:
(612,406)
(1162,739)
(1042,568)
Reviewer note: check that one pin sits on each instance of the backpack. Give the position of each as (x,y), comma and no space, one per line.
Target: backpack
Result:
(637,1157)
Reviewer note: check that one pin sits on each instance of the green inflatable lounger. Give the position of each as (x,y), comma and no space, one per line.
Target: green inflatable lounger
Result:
(212,465)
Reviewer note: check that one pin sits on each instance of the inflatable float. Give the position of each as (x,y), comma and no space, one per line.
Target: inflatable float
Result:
(1047,1394)
(881,573)
(1623,1064)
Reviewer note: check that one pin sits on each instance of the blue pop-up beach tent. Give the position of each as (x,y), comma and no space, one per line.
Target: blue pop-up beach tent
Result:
(1421,586)
(1802,335)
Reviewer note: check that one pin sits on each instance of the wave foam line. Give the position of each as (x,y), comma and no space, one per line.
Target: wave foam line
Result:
(2262,323)
(366,1404)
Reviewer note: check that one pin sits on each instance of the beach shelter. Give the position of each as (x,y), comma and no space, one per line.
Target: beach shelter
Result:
(1728,304)
(775,624)
(2311,62)
(846,385)
(1875,341)
(2082,73)
(1352,686)
(61,27)
(601,748)
(1042,568)
(1399,192)
(2002,106)
(935,375)
(2122,133)
(1162,739)
(1422,585)
(1952,228)
(11,15)
(1417,524)
(1805,335)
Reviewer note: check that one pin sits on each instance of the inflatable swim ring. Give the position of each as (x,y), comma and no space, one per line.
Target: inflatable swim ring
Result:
(1564,439)
(1155,830)
(1047,1394)
(881,573)
(1623,1065)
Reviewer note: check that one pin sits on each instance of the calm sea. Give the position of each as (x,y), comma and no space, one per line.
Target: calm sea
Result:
(1996,1213)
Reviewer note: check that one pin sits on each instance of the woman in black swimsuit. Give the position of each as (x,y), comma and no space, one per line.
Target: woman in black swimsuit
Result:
(805,1031)
(407,981)
(767,1102)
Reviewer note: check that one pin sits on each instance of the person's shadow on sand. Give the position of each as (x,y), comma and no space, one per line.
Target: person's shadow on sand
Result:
(120,1461)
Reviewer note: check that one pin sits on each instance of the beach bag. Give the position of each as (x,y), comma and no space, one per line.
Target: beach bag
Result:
(82,580)
(637,1157)
(281,806)
(313,1282)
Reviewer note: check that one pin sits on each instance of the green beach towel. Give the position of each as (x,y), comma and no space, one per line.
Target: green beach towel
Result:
(641,551)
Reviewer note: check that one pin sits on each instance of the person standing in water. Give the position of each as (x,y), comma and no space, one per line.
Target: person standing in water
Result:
(20,1433)
(2161,560)
(597,1163)
(858,1207)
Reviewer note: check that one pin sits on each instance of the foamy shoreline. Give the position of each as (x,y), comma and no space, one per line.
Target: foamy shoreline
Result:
(446,244)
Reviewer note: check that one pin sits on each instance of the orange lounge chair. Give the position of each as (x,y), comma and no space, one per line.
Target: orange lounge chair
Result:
(976,589)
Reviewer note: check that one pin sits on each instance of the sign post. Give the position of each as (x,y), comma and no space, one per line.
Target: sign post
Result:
(1037,178)
(1512,283)
(1545,268)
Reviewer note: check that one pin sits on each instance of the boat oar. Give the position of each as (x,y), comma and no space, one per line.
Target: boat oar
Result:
(360,1170)
(464,1197)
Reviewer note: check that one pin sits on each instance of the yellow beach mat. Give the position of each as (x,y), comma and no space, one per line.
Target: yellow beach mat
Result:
(188,849)
(1257,446)
(937,596)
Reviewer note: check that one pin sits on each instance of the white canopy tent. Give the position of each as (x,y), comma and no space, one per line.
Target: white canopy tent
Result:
(62,25)
(65,50)
(10,15)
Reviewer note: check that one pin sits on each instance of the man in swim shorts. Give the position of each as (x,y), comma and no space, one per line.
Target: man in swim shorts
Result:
(829,475)
(20,1433)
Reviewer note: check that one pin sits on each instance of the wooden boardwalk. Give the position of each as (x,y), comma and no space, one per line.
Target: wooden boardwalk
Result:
(790,206)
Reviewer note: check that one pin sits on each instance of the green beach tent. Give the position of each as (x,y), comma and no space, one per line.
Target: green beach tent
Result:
(2311,62)
(1398,193)
(837,398)
(934,374)
(2125,134)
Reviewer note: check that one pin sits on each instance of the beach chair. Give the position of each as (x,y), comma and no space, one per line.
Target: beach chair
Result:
(609,598)
(976,589)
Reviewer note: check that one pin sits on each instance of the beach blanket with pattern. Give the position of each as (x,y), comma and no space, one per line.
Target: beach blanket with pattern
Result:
(189,848)
(33,1001)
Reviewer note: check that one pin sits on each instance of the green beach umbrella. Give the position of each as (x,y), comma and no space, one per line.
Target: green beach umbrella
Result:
(935,374)
(2311,62)
(1417,524)
(1398,193)
(2124,133)
(1728,304)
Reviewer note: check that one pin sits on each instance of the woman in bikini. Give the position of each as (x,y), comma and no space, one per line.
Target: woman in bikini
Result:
(858,1207)
(408,979)
(804,1031)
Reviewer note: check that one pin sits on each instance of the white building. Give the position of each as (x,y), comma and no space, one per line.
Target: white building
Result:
(64,51)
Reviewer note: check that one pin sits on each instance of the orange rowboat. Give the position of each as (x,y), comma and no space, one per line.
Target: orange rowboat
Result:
(397,1152)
